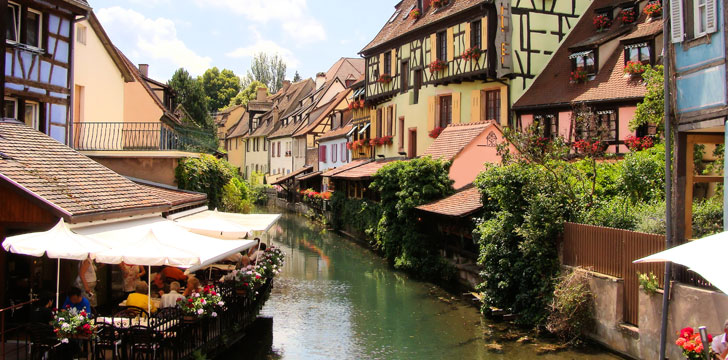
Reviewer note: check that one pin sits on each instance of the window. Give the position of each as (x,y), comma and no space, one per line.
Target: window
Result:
(417,86)
(404,77)
(279,149)
(12,23)
(600,124)
(476,34)
(33,27)
(638,52)
(322,153)
(701,17)
(491,101)
(445,110)
(584,60)
(441,41)
(81,34)
(387,63)
(334,152)
(265,145)
(550,125)
(10,108)
(412,143)
(401,134)
(390,120)
(379,123)
(607,120)
(344,153)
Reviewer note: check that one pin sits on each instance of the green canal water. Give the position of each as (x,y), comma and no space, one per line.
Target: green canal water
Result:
(337,300)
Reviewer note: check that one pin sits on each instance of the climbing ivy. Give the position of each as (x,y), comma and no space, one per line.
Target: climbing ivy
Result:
(205,174)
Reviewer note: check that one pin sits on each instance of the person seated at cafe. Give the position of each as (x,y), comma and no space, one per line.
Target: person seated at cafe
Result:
(139,297)
(76,300)
(720,343)
(43,313)
(259,253)
(169,300)
(169,274)
(193,286)
(243,262)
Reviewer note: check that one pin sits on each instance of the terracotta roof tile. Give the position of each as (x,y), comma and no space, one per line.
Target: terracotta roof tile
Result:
(553,86)
(347,166)
(365,171)
(176,197)
(284,102)
(400,26)
(309,176)
(241,127)
(66,178)
(334,134)
(327,110)
(464,202)
(292,175)
(455,138)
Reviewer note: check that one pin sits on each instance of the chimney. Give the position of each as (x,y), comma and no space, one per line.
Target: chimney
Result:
(286,85)
(320,80)
(262,93)
(276,115)
(144,69)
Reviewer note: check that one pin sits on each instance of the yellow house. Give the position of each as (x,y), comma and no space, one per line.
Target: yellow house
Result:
(225,120)
(428,71)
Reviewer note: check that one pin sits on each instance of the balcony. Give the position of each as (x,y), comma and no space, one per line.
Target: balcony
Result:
(141,136)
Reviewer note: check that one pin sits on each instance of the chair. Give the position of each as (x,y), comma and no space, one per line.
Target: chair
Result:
(166,323)
(43,341)
(143,343)
(108,338)
(132,312)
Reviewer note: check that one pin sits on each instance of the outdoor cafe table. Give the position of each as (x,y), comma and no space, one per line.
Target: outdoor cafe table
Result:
(125,323)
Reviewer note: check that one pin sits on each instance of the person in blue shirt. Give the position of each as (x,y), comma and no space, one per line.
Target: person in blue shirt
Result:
(76,300)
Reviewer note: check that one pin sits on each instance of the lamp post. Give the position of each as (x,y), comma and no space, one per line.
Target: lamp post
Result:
(706,344)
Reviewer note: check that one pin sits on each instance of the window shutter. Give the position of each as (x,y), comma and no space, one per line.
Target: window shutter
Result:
(467,35)
(450,45)
(394,62)
(431,110)
(456,107)
(322,153)
(394,119)
(433,47)
(676,21)
(373,122)
(381,64)
(484,32)
(475,106)
(711,12)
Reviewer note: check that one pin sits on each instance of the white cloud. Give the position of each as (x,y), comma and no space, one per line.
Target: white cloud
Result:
(293,16)
(152,39)
(150,3)
(266,46)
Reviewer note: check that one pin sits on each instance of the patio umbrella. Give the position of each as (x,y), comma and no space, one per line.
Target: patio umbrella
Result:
(705,257)
(214,226)
(251,222)
(57,243)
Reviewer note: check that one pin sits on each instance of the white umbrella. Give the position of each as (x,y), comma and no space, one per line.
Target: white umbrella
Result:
(57,243)
(214,226)
(705,257)
(251,222)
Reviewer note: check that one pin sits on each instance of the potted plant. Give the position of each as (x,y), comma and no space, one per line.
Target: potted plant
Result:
(436,132)
(579,76)
(438,65)
(384,79)
(653,9)
(201,304)
(385,140)
(69,323)
(415,14)
(471,54)
(635,143)
(361,103)
(440,3)
(634,68)
(602,22)
(627,16)
(691,344)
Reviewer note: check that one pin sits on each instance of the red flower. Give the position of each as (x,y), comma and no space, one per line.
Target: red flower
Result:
(687,332)
(689,346)
(190,300)
(680,341)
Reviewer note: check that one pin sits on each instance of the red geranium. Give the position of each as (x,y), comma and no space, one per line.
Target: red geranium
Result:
(602,22)
(436,132)
(438,65)
(635,143)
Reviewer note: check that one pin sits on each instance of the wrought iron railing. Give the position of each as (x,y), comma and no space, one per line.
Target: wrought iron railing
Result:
(144,136)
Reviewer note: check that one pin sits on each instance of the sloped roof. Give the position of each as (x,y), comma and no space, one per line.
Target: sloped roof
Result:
(293,174)
(176,197)
(284,102)
(455,138)
(350,165)
(553,87)
(362,172)
(463,203)
(402,24)
(645,29)
(327,110)
(241,127)
(66,180)
(346,68)
(83,4)
(309,176)
(334,134)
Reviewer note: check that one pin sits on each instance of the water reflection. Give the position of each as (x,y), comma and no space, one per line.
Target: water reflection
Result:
(335,299)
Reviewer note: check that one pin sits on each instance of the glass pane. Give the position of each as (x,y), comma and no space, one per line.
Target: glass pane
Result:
(31,115)
(9,109)
(645,54)
(11,19)
(590,64)
(580,62)
(633,54)
(32,33)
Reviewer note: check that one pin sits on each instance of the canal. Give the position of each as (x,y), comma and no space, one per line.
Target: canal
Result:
(336,299)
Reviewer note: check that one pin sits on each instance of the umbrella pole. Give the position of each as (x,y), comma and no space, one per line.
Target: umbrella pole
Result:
(149,292)
(58,280)
(668,177)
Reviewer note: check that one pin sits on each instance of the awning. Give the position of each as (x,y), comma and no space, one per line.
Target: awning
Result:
(309,176)
(293,175)
(364,128)
(580,54)
(362,172)
(214,226)
(254,222)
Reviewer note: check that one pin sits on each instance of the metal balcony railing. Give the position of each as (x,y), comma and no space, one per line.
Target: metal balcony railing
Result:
(141,136)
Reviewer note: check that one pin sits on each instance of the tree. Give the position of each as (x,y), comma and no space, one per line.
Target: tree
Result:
(249,93)
(220,87)
(296,77)
(652,109)
(270,70)
(191,95)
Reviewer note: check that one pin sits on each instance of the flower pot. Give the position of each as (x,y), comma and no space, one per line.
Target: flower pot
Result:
(188,319)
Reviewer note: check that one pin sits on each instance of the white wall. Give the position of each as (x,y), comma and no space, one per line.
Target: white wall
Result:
(281,165)
(340,145)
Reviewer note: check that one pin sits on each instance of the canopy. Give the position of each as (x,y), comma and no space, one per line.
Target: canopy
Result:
(215,227)
(148,251)
(253,222)
(705,257)
(57,243)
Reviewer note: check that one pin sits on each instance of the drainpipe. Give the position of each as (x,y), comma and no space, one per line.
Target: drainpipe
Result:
(71,80)
(668,175)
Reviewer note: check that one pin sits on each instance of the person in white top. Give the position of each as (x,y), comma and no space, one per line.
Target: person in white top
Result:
(130,275)
(719,344)
(86,280)
(170,299)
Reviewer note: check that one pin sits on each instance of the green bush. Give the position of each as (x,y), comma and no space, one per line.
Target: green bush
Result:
(361,216)
(651,218)
(642,176)
(616,212)
(708,217)
(259,194)
(205,174)
(236,197)
(572,309)
(649,282)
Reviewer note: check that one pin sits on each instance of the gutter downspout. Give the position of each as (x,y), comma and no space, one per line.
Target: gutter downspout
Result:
(668,176)
(71,79)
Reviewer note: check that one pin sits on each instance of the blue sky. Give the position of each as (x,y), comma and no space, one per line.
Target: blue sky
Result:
(198,34)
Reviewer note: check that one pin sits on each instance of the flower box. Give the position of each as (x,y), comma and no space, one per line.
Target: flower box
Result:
(635,143)
(202,304)
(602,22)
(627,16)
(653,9)
(438,65)
(590,148)
(361,103)
(435,133)
(579,76)
(415,14)
(440,3)
(385,79)
(634,68)
(472,54)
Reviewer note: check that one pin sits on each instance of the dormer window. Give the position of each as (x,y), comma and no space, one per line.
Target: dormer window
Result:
(638,52)
(584,61)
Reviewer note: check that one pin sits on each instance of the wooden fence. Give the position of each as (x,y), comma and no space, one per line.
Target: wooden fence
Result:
(611,252)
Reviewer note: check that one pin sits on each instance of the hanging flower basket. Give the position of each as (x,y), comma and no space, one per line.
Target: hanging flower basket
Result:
(627,16)
(415,14)
(436,132)
(471,54)
(361,142)
(438,65)
(653,9)
(602,22)
(385,79)
(579,76)
(440,3)
(634,68)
